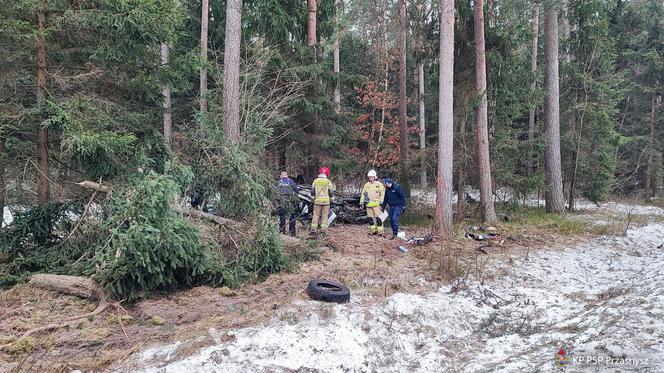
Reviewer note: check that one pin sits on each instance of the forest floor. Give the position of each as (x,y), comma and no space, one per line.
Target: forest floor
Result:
(464,306)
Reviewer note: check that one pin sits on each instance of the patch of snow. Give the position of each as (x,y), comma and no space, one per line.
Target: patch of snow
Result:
(602,299)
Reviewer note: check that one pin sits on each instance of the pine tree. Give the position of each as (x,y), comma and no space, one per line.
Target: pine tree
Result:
(443,222)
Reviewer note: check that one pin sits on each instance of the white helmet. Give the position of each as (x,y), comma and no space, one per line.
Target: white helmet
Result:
(372,173)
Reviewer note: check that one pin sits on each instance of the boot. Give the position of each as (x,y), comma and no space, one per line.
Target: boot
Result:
(394,235)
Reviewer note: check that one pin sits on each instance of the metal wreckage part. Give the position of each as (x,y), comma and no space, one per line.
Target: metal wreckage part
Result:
(344,208)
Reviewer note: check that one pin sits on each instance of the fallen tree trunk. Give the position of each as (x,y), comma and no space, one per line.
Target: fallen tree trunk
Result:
(94,186)
(288,240)
(72,285)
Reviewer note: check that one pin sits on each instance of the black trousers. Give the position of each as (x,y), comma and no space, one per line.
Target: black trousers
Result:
(291,221)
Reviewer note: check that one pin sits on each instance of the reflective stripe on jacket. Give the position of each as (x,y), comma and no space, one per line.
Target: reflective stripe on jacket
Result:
(322,189)
(375,191)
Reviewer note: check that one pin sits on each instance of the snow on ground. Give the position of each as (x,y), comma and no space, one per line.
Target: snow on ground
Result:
(603,299)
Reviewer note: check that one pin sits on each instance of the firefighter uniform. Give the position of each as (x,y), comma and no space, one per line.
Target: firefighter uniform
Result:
(373,194)
(322,189)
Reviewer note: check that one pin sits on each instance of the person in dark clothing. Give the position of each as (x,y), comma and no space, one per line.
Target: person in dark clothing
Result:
(396,199)
(287,194)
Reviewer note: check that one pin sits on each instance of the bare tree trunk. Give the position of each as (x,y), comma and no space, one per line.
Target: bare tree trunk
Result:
(554,188)
(461,151)
(564,21)
(3,190)
(205,8)
(533,85)
(232,70)
(337,87)
(166,92)
(423,129)
(82,287)
(43,186)
(482,131)
(403,125)
(443,221)
(651,150)
(311,22)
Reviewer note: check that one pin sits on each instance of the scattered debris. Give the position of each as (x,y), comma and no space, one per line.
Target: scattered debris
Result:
(481,233)
(328,291)
(403,249)
(421,241)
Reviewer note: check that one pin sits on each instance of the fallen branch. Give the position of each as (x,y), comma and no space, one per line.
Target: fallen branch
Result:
(288,240)
(72,285)
(94,186)
(69,322)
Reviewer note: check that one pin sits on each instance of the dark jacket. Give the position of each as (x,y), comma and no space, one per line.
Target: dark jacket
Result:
(286,188)
(394,196)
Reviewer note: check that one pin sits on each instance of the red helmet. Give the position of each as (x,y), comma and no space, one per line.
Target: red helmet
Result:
(324,170)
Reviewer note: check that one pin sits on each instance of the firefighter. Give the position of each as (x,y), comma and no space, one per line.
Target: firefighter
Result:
(371,198)
(323,191)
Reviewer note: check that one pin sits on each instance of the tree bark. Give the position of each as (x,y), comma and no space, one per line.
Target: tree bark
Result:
(205,8)
(647,192)
(443,220)
(166,93)
(311,22)
(403,125)
(43,186)
(554,188)
(533,86)
(423,133)
(82,287)
(232,70)
(482,131)
(3,190)
(337,86)
(564,22)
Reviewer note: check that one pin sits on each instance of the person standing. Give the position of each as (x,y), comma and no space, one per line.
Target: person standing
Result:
(287,194)
(371,198)
(396,199)
(323,191)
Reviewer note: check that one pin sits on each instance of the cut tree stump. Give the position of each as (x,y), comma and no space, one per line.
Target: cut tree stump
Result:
(72,285)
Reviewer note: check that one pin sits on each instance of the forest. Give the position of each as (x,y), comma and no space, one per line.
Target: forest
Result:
(115,115)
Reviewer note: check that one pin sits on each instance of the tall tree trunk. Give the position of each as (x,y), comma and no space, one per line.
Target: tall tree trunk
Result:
(232,70)
(337,87)
(313,129)
(3,190)
(205,8)
(564,22)
(533,85)
(311,22)
(647,192)
(166,92)
(482,131)
(554,188)
(423,133)
(464,95)
(443,220)
(43,186)
(403,125)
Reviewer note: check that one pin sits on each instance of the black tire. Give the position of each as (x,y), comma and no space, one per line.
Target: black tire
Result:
(328,291)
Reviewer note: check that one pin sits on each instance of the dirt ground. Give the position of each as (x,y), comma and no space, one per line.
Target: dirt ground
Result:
(372,267)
